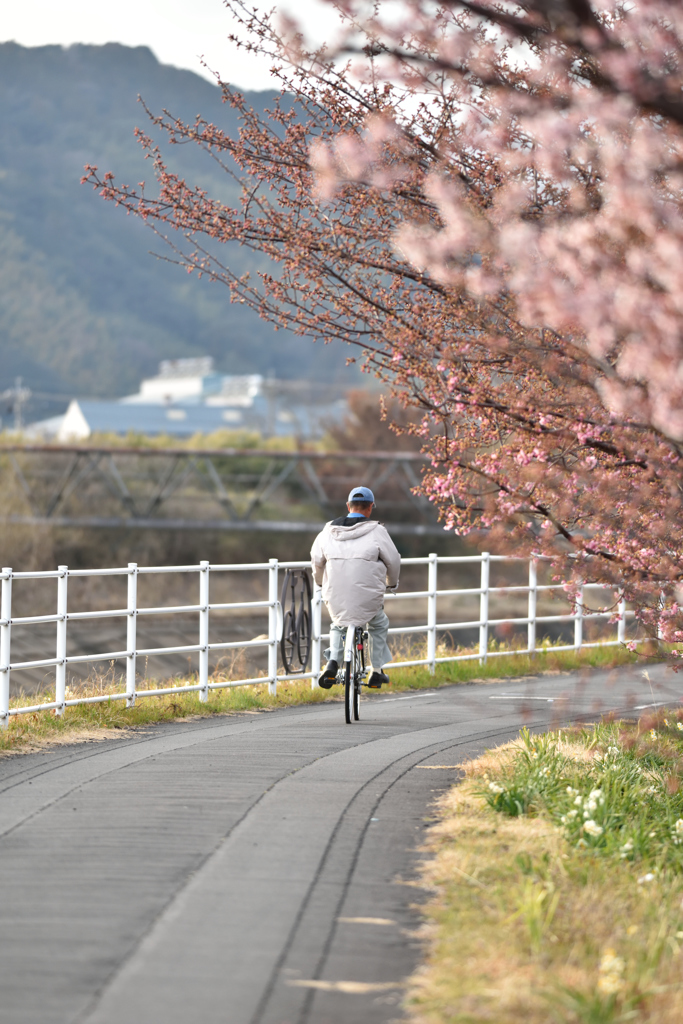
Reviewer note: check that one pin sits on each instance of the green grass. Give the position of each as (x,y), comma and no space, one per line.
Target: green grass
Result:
(508,666)
(557,874)
(90,720)
(624,804)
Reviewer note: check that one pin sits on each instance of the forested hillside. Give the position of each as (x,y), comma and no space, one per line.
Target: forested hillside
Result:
(84,307)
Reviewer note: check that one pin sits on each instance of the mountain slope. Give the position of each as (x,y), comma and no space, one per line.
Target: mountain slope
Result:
(84,307)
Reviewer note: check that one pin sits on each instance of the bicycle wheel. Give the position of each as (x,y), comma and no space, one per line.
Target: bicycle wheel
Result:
(349,685)
(288,643)
(303,642)
(360,671)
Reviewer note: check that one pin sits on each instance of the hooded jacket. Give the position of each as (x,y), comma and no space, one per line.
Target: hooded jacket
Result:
(355,565)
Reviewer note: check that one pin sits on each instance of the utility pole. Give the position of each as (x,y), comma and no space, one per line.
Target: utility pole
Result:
(18,396)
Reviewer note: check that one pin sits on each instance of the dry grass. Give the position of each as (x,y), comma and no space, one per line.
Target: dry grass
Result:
(525,925)
(106,720)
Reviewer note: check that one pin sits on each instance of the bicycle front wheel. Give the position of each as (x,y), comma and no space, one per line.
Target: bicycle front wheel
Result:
(349,686)
(356,694)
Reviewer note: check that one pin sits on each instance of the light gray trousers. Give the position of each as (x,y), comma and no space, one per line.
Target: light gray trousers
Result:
(378,628)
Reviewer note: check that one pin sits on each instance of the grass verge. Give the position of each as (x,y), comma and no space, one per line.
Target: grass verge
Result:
(557,879)
(98,721)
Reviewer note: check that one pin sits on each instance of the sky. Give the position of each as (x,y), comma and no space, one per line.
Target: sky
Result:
(179,32)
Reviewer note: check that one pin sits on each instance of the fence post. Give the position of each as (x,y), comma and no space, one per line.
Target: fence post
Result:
(131,633)
(621,626)
(272,626)
(60,672)
(578,621)
(431,612)
(660,606)
(5,635)
(484,608)
(204,631)
(316,629)
(531,628)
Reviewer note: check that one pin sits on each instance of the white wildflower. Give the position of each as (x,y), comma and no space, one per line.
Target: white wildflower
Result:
(592,828)
(649,877)
(495,788)
(678,832)
(594,800)
(626,849)
(679,726)
(579,801)
(610,973)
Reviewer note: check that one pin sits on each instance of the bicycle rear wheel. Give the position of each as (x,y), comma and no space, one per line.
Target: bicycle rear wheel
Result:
(349,686)
(359,644)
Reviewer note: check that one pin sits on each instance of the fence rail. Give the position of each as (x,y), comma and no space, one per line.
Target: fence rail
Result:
(205,571)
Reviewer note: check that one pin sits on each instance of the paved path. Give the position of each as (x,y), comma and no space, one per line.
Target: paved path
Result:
(245,870)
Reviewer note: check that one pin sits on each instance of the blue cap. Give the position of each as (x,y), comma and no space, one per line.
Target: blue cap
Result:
(361,494)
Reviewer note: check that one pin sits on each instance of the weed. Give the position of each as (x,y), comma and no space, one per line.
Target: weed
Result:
(536,905)
(575,841)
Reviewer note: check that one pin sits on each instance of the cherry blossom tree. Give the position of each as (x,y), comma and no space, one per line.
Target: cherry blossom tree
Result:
(485,201)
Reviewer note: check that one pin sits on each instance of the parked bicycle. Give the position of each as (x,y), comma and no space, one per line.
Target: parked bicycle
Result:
(295,645)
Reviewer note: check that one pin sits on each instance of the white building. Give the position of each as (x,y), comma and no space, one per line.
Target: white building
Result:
(189,397)
(194,381)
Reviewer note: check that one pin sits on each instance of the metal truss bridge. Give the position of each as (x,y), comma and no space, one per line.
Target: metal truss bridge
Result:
(206,489)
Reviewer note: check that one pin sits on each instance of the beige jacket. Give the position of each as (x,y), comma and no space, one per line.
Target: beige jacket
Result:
(355,565)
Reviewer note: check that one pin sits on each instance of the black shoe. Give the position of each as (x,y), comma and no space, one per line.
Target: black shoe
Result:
(329,676)
(376,679)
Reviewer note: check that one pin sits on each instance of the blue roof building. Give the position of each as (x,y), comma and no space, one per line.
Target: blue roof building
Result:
(188,397)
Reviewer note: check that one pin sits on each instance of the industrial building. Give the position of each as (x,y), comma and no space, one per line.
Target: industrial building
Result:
(189,397)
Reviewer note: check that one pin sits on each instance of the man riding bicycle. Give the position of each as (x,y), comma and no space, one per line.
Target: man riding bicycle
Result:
(355,561)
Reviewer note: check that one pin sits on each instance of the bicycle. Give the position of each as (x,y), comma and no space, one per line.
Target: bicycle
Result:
(353,671)
(295,644)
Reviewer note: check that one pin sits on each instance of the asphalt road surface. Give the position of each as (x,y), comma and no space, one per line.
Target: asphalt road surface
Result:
(255,869)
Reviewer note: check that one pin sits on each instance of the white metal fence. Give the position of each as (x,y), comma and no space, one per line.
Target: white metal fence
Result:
(206,571)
